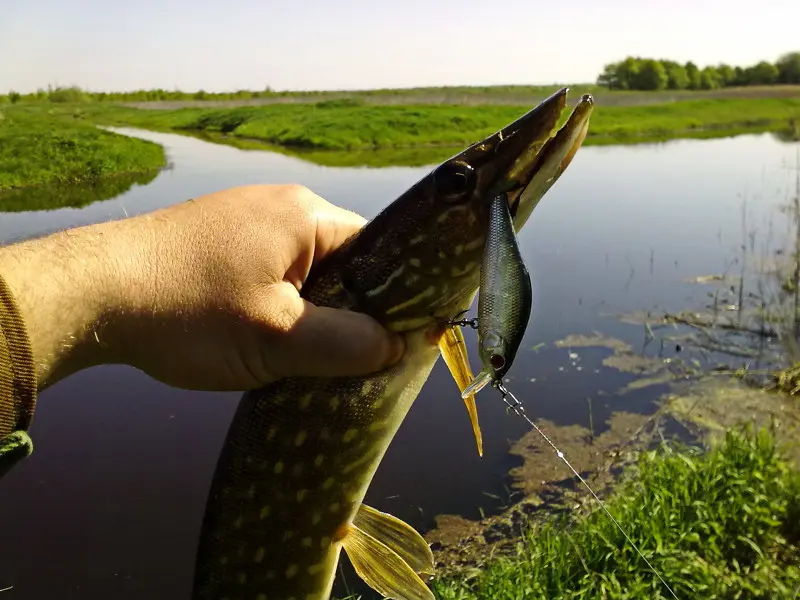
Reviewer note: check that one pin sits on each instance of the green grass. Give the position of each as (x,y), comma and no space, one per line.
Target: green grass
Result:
(39,146)
(725,524)
(340,125)
(56,142)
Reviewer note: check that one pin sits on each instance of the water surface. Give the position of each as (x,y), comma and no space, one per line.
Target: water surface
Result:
(110,503)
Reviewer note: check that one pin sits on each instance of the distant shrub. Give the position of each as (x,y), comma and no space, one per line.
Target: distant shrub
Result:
(14,97)
(763,73)
(789,68)
(67,94)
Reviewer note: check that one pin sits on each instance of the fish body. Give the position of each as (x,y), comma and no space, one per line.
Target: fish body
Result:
(300,453)
(505,298)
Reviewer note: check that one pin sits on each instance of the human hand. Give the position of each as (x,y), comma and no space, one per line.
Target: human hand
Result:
(202,295)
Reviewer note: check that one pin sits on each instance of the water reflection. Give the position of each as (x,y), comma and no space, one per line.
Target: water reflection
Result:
(375,158)
(51,197)
(789,135)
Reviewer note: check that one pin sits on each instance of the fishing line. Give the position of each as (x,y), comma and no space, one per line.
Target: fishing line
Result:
(520,410)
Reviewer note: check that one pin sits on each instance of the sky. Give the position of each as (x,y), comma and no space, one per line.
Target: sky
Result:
(216,45)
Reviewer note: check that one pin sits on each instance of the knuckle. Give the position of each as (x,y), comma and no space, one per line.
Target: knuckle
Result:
(298,192)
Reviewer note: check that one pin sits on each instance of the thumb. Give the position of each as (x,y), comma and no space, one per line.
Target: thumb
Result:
(329,342)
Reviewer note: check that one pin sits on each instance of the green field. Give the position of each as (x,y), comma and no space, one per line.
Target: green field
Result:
(54,140)
(348,125)
(40,146)
(725,524)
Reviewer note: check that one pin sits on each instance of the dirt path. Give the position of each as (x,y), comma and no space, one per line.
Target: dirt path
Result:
(505,97)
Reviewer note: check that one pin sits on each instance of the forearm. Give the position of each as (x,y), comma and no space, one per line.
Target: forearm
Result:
(203,294)
(61,286)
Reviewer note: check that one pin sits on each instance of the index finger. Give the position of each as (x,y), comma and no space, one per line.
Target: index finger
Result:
(334,225)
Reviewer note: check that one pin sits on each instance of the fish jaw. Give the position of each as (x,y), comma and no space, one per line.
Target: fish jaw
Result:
(552,160)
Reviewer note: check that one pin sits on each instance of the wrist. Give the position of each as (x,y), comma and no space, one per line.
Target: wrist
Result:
(62,285)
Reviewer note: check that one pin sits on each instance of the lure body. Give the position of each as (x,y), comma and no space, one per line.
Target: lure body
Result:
(505,298)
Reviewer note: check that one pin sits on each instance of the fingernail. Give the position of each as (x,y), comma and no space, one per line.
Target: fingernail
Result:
(397,348)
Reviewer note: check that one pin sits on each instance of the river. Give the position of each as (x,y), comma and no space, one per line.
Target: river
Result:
(110,503)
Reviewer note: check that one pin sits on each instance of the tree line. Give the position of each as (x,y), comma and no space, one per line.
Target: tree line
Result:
(633,73)
(74,94)
(637,73)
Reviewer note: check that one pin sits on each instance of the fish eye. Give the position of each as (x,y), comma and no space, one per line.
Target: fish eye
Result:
(454,180)
(497,361)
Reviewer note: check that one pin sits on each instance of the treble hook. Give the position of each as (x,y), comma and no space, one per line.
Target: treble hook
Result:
(463,322)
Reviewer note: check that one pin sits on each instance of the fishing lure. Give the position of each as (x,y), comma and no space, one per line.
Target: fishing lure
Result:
(505,299)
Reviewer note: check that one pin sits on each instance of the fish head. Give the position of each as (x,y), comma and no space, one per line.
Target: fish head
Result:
(418,261)
(416,265)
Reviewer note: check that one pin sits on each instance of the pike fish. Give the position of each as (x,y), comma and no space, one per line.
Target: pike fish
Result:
(286,496)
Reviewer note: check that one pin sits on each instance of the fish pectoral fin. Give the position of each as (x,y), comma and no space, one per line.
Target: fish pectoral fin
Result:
(477,384)
(397,535)
(454,351)
(382,568)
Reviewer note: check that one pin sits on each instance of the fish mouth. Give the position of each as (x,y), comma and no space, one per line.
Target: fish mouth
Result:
(550,162)
(530,154)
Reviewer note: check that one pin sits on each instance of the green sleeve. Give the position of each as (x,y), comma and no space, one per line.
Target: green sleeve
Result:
(17,383)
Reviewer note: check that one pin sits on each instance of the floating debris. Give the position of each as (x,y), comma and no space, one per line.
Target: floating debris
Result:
(705,279)
(714,405)
(596,340)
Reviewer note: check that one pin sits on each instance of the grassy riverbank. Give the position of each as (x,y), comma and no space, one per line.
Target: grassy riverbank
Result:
(714,525)
(39,146)
(55,142)
(349,125)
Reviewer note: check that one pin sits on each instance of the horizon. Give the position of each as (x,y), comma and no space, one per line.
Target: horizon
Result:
(558,84)
(248,45)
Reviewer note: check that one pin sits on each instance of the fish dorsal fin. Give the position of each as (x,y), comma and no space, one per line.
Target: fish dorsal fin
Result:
(397,535)
(454,351)
(383,569)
